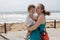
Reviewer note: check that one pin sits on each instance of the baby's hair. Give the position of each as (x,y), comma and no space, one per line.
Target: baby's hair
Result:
(31,6)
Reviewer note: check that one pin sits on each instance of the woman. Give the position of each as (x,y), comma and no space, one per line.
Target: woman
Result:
(40,24)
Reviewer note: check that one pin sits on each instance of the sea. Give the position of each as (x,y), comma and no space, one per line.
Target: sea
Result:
(20,16)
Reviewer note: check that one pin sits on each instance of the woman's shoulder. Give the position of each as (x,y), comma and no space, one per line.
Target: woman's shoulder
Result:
(41,16)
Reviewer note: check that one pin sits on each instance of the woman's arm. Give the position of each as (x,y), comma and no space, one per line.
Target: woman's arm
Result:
(36,25)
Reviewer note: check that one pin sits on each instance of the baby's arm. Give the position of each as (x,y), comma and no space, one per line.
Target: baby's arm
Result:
(32,17)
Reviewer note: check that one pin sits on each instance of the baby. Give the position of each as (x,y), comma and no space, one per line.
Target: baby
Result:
(31,18)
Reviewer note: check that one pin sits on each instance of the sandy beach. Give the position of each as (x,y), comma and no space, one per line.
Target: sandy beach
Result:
(17,31)
(11,27)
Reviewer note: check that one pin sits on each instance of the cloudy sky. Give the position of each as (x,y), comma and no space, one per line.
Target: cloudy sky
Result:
(21,5)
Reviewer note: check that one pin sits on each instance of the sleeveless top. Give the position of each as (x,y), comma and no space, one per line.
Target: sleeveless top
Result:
(35,34)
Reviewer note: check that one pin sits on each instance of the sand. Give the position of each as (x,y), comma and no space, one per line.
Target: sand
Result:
(51,24)
(17,31)
(54,34)
(18,27)
(11,27)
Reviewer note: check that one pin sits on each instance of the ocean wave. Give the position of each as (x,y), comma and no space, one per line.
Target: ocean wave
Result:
(12,18)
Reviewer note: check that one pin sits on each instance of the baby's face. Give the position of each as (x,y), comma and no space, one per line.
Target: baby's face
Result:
(32,10)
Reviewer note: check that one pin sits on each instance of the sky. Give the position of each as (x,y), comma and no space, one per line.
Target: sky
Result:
(21,5)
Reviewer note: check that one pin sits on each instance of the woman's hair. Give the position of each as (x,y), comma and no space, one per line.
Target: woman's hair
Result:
(43,8)
(31,6)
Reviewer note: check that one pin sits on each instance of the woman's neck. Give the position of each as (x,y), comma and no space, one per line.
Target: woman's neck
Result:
(39,14)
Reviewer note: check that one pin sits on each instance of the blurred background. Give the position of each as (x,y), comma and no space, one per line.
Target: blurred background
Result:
(13,14)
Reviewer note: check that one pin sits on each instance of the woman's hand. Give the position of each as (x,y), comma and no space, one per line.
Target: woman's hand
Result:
(40,20)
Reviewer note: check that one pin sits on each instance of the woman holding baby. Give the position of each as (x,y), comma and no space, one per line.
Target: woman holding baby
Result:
(39,22)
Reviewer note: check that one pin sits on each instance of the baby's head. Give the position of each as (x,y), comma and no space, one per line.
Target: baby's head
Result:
(31,9)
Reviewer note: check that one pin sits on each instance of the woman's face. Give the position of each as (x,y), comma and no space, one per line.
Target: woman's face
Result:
(38,9)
